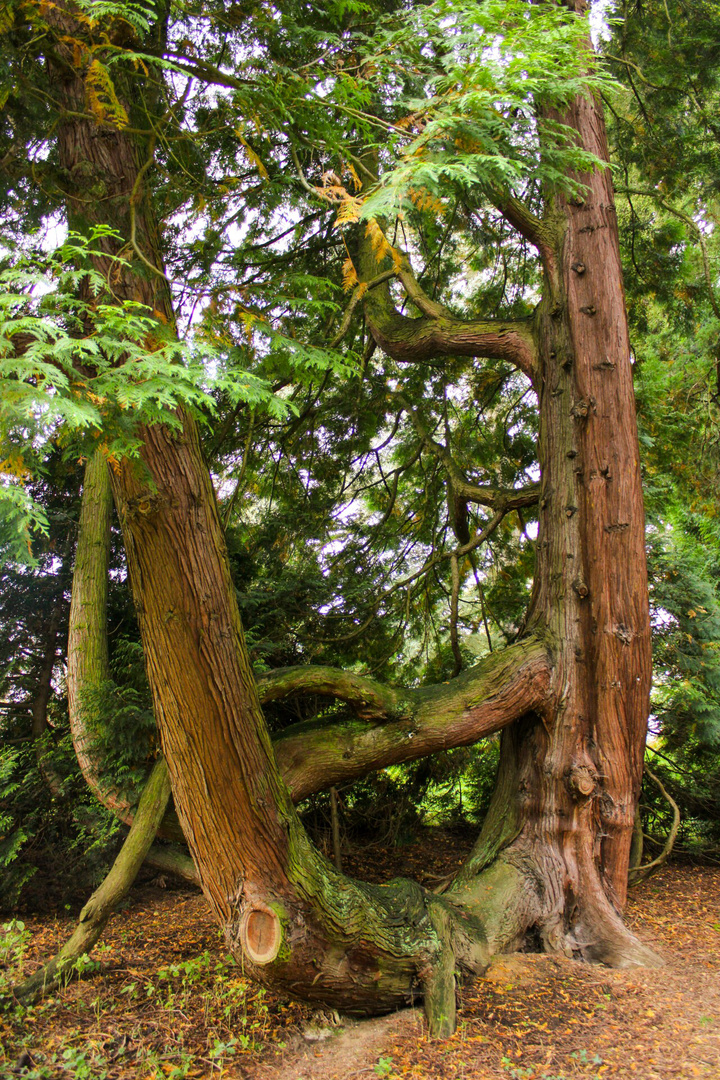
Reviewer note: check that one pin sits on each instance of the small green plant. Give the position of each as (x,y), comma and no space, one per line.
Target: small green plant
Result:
(383,1066)
(520,1072)
(81,1065)
(13,942)
(583,1058)
(84,965)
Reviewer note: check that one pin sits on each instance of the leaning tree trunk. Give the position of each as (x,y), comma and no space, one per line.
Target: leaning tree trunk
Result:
(553,853)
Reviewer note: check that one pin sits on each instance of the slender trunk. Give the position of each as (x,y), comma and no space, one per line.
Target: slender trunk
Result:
(94,916)
(87,633)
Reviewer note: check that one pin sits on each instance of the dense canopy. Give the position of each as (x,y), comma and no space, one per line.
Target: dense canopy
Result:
(329,300)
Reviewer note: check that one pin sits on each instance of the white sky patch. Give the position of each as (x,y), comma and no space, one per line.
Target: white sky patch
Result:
(600,12)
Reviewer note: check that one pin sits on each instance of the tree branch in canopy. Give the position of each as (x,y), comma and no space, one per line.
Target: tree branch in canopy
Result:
(483,494)
(463,549)
(517,214)
(437,332)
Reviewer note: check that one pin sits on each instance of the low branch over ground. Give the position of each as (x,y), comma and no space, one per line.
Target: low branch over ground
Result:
(394,725)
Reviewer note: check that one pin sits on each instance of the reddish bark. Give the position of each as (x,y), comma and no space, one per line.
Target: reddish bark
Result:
(553,852)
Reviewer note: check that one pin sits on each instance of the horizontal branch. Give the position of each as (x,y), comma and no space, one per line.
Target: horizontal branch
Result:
(437,332)
(409,724)
(483,494)
(391,725)
(409,340)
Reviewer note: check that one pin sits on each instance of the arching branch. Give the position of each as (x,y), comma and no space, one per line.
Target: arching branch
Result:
(409,724)
(437,332)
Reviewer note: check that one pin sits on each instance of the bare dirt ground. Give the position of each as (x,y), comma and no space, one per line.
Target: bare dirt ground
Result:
(167,1002)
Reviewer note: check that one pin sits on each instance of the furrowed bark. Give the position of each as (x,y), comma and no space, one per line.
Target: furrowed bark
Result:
(554,848)
(563,810)
(392,725)
(565,803)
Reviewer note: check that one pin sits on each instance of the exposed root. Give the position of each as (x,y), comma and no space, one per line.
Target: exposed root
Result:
(603,938)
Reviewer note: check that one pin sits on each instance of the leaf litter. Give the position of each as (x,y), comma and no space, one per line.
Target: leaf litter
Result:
(165,1000)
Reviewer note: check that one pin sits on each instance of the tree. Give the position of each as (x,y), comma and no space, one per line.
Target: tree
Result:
(571,693)
(663,136)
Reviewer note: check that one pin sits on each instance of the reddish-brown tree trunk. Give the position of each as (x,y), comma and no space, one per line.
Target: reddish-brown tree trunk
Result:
(553,853)
(570,775)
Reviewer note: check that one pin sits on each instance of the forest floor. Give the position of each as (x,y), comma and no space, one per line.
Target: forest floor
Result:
(165,1001)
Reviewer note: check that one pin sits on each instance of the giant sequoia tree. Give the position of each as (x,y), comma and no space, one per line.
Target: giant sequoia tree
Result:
(500,134)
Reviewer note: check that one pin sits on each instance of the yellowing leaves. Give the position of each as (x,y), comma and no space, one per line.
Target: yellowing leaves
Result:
(253,157)
(102,100)
(349,210)
(425,200)
(14,466)
(357,182)
(381,246)
(349,275)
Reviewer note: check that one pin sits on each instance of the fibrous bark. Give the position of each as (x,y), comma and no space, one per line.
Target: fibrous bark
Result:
(552,856)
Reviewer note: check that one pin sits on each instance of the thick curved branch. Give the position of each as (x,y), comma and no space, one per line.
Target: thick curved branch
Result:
(409,340)
(87,634)
(437,332)
(370,700)
(488,697)
(103,902)
(87,641)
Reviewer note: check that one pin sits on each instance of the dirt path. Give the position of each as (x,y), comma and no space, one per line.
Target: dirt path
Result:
(168,1003)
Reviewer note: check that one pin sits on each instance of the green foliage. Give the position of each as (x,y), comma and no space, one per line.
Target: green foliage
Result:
(497,71)
(74,361)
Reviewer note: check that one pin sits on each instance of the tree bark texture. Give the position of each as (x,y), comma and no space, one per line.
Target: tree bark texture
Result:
(572,777)
(87,631)
(552,855)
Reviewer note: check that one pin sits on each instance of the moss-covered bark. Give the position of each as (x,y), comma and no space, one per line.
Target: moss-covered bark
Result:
(87,633)
(553,852)
(94,916)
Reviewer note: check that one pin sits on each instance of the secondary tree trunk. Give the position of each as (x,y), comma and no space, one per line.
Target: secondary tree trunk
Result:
(553,853)
(571,774)
(101,905)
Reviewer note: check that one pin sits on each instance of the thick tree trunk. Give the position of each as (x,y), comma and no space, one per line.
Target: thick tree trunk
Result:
(570,776)
(553,852)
